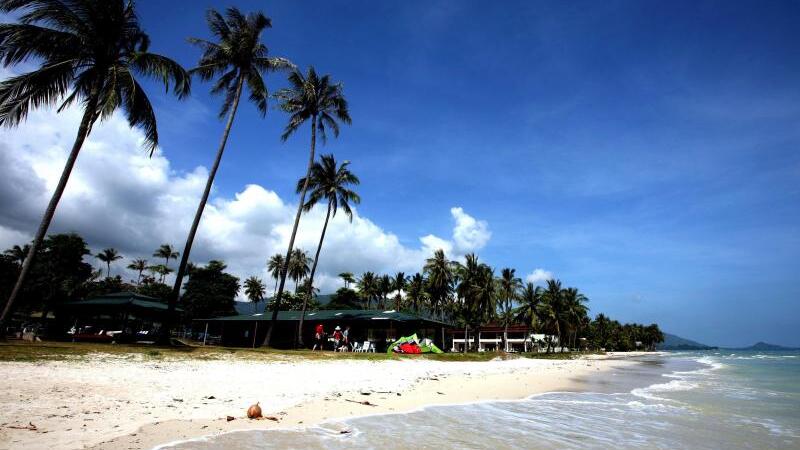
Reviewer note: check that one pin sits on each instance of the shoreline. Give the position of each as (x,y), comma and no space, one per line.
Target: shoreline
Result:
(296,393)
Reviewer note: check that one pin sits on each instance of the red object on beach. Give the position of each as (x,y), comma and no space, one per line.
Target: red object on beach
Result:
(410,348)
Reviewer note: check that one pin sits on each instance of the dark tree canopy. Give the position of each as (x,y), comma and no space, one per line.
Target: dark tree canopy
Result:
(210,292)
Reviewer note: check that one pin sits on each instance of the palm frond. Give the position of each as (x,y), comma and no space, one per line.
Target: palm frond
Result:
(43,87)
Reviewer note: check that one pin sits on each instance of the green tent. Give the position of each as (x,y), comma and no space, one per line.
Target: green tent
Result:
(425,345)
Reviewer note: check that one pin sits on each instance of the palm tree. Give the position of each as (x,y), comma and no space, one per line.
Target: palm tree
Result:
(167,252)
(399,284)
(415,293)
(529,305)
(368,287)
(17,253)
(316,98)
(575,311)
(274,266)
(108,256)
(139,265)
(254,290)
(237,58)
(551,310)
(476,289)
(348,279)
(90,52)
(331,183)
(439,273)
(299,266)
(509,287)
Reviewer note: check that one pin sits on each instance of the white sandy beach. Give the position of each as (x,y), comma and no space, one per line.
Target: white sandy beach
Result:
(104,401)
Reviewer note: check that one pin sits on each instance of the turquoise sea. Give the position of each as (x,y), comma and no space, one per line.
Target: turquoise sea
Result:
(691,400)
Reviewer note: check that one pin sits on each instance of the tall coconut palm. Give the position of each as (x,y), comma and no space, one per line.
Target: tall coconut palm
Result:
(331,183)
(254,290)
(299,267)
(384,288)
(508,292)
(318,99)
(237,58)
(348,279)
(439,273)
(167,252)
(274,266)
(368,287)
(139,265)
(89,52)
(108,255)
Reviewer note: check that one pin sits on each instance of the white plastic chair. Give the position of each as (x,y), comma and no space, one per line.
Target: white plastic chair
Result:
(356,347)
(368,347)
(365,347)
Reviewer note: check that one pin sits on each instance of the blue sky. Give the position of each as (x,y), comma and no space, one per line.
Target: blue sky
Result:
(645,152)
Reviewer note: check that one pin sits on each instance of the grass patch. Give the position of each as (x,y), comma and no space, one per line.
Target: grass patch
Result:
(19,351)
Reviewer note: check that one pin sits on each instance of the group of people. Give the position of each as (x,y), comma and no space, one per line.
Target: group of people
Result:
(340,338)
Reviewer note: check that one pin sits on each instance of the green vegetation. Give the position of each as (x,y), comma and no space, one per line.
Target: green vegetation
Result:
(79,352)
(89,55)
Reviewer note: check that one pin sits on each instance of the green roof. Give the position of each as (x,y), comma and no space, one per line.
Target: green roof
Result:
(332,314)
(122,299)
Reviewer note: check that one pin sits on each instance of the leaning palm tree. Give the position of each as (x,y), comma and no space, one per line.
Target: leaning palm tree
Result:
(139,265)
(274,266)
(90,52)
(254,290)
(322,101)
(237,58)
(331,183)
(167,252)
(108,255)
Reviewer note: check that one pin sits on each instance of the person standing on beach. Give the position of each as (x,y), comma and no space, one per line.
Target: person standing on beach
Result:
(319,333)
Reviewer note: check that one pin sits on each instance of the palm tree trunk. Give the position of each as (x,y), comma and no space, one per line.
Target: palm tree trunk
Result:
(176,288)
(311,278)
(276,308)
(89,116)
(466,343)
(108,269)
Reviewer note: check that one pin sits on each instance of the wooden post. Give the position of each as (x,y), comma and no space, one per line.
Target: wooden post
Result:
(205,335)
(255,331)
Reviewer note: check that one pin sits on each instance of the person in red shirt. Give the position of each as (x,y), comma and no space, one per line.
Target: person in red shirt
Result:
(319,334)
(337,338)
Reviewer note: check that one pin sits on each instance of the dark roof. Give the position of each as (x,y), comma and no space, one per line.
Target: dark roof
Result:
(333,314)
(120,299)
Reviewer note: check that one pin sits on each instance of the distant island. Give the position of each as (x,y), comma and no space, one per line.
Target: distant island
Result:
(673,342)
(764,347)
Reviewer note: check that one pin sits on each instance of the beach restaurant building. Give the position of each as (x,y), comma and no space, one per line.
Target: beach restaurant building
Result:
(490,338)
(380,328)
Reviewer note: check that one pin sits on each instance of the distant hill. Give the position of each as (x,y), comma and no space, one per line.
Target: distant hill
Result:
(672,342)
(247,307)
(764,347)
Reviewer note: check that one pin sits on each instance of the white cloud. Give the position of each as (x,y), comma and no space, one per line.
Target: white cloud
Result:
(119,197)
(539,276)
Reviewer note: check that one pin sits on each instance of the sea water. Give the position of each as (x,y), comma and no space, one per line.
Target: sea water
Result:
(702,400)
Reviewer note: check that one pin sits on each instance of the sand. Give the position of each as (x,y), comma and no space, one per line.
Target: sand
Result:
(106,402)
